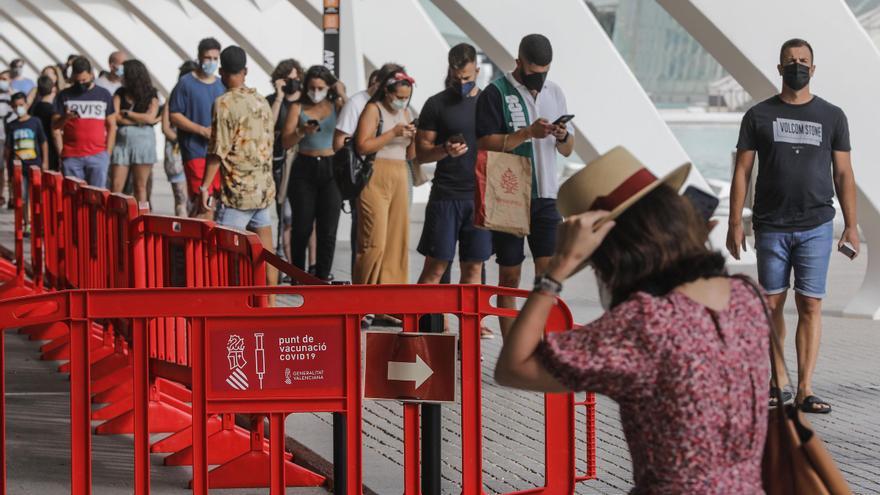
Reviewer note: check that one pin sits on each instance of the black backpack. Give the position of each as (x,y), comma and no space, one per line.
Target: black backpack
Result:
(352,171)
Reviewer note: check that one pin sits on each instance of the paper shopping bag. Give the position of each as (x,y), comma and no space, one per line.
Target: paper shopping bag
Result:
(503,193)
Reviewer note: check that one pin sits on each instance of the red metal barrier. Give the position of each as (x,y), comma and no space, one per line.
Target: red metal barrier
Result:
(69,202)
(93,239)
(331,315)
(50,230)
(165,252)
(84,263)
(53,228)
(17,286)
(37,224)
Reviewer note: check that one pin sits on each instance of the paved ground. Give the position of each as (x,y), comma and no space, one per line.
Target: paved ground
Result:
(848,377)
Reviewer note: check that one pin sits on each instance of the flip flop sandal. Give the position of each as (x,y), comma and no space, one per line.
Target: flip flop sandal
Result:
(814,405)
(787,396)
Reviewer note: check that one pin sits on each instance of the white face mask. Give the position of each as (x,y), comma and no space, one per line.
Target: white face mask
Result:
(317,95)
(4,85)
(399,104)
(20,111)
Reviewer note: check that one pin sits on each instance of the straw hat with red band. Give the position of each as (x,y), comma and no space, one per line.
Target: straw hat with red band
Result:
(613,182)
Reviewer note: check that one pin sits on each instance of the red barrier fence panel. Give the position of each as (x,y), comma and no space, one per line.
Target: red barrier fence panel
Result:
(37,223)
(93,240)
(254,359)
(17,286)
(69,208)
(122,210)
(53,227)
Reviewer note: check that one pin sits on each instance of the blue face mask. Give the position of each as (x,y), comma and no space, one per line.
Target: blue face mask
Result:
(209,67)
(119,71)
(466,87)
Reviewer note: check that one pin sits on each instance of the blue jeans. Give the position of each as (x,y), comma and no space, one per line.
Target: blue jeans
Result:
(808,252)
(244,219)
(92,168)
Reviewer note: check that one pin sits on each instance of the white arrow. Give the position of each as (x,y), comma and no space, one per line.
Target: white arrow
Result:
(417,372)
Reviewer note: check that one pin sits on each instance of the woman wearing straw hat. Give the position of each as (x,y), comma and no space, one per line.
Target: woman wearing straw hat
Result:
(683,349)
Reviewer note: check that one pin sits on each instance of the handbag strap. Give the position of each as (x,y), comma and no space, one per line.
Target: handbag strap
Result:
(775,345)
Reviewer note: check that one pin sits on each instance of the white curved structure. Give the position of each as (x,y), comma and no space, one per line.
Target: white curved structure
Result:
(748,46)
(611,107)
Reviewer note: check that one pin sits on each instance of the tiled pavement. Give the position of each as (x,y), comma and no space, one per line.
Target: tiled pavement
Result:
(848,377)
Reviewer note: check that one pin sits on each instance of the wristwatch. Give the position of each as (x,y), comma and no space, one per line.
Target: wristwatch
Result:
(548,286)
(203,189)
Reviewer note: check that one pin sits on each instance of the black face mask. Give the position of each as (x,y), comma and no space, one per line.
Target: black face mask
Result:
(291,86)
(796,76)
(534,81)
(82,87)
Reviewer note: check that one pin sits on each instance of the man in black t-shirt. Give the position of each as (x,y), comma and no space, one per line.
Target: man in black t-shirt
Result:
(802,143)
(43,109)
(447,135)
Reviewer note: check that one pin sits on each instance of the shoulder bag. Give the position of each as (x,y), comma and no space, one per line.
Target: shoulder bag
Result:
(352,171)
(795,461)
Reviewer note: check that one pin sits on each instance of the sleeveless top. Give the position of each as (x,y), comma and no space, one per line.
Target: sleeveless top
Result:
(321,140)
(396,148)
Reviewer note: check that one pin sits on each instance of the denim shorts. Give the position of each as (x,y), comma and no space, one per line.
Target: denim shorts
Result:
(545,219)
(808,252)
(135,145)
(244,219)
(449,222)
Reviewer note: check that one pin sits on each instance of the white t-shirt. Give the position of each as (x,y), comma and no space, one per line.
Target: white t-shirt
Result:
(550,104)
(107,84)
(6,114)
(347,121)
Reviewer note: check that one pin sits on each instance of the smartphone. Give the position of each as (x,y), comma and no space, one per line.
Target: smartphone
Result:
(563,120)
(415,122)
(848,250)
(457,139)
(211,202)
(703,202)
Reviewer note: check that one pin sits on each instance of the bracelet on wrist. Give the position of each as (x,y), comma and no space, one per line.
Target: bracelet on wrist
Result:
(545,284)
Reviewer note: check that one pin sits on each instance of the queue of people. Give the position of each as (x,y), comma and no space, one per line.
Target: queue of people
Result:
(683,347)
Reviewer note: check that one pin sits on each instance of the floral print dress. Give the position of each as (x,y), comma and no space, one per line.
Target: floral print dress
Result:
(691,384)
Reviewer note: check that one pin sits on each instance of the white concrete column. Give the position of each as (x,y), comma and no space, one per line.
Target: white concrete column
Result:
(610,106)
(127,32)
(68,24)
(745,37)
(37,30)
(351,63)
(268,32)
(425,59)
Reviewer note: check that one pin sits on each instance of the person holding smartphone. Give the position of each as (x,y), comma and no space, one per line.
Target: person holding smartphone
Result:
(516,114)
(385,131)
(802,143)
(447,135)
(315,198)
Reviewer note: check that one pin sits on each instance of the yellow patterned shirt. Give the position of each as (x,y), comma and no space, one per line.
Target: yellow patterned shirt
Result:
(242,134)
